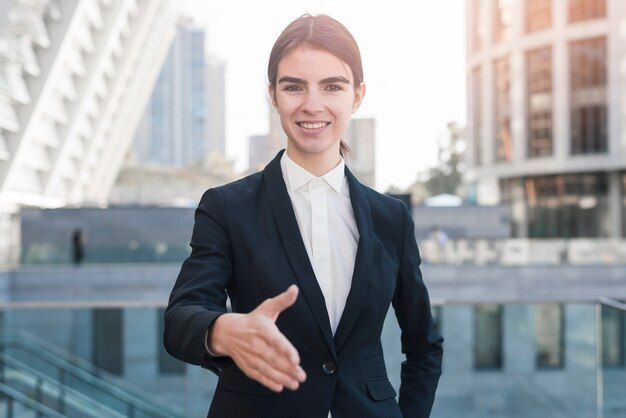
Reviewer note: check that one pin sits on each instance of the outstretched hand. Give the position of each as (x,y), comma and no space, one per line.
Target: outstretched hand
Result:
(257,346)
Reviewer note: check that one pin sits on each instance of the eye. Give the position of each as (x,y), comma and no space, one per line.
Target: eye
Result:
(292,88)
(333,87)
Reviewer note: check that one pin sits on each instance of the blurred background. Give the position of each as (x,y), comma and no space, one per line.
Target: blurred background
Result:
(501,123)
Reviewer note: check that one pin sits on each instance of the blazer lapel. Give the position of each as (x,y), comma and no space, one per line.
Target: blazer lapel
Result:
(294,246)
(360,276)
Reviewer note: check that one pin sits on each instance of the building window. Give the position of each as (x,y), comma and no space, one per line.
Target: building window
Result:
(477,116)
(167,363)
(538,15)
(588,97)
(503,20)
(612,337)
(477,25)
(567,206)
(504,143)
(549,336)
(579,10)
(539,102)
(488,336)
(108,340)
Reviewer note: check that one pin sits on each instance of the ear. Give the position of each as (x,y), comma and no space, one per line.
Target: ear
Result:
(272,93)
(359,93)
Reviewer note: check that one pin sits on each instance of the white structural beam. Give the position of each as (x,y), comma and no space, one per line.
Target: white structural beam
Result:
(74,76)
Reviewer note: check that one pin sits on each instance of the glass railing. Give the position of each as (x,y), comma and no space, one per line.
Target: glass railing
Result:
(514,360)
(49,392)
(66,382)
(610,330)
(131,252)
(512,252)
(15,404)
(522,252)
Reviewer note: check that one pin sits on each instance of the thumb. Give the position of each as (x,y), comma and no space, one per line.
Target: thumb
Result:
(272,307)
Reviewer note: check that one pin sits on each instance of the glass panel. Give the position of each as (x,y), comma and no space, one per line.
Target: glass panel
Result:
(569,206)
(477,24)
(538,15)
(503,20)
(549,336)
(580,10)
(612,337)
(504,140)
(477,115)
(108,340)
(539,102)
(488,336)
(516,390)
(613,373)
(588,96)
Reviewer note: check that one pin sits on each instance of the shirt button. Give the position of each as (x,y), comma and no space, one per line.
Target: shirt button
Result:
(329,367)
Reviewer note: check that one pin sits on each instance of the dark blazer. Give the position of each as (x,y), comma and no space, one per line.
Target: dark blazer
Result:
(246,244)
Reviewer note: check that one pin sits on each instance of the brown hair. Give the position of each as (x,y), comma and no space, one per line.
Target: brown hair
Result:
(323,32)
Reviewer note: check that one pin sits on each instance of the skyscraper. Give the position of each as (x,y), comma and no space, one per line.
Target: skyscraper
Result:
(216,106)
(361,138)
(174,126)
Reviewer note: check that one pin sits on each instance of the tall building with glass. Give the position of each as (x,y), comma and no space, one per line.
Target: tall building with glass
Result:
(174,126)
(546,111)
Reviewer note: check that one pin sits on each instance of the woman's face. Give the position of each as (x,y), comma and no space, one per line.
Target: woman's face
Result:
(315,98)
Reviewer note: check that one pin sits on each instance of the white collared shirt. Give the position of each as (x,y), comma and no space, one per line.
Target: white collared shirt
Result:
(328,228)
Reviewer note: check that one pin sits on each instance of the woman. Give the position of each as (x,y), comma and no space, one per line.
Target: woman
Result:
(311,261)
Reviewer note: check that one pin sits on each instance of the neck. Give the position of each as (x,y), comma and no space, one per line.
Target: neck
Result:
(317,164)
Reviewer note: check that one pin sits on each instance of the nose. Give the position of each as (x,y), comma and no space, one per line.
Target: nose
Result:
(312,103)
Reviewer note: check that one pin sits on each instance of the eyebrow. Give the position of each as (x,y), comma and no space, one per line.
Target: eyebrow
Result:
(336,79)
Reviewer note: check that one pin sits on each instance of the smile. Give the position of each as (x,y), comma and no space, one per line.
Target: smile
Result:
(316,125)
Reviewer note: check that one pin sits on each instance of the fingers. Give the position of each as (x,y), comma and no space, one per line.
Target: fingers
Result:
(264,354)
(272,307)
(272,367)
(258,347)
(273,378)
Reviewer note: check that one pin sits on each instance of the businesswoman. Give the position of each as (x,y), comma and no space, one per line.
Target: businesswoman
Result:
(311,260)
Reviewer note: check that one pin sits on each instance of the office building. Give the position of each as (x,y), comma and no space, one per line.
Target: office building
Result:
(174,130)
(73,78)
(546,114)
(361,138)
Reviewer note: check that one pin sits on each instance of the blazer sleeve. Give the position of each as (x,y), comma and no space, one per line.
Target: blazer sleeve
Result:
(199,294)
(421,342)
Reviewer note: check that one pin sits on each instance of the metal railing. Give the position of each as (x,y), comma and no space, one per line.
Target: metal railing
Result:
(600,384)
(78,376)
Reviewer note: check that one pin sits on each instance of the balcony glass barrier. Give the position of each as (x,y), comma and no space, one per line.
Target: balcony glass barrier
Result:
(511,252)
(502,360)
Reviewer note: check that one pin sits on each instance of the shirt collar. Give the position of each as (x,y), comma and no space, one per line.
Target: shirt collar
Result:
(295,176)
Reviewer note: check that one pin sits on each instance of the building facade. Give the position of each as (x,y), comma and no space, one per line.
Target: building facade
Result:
(174,130)
(361,138)
(546,112)
(216,107)
(73,78)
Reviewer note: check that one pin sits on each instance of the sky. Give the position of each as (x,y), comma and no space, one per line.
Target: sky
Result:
(414,65)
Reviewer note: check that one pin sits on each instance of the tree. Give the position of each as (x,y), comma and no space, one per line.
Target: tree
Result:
(447,176)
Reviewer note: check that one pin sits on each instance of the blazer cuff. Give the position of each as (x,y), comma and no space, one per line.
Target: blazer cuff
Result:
(206,344)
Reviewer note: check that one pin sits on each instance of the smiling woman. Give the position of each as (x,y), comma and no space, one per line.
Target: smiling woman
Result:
(330,37)
(315,98)
(307,225)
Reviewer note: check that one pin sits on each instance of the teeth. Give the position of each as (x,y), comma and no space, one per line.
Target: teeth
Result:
(313,125)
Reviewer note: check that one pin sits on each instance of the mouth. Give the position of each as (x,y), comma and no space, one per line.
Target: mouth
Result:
(313,125)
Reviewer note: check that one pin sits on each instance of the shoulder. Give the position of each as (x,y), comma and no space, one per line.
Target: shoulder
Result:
(235,191)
